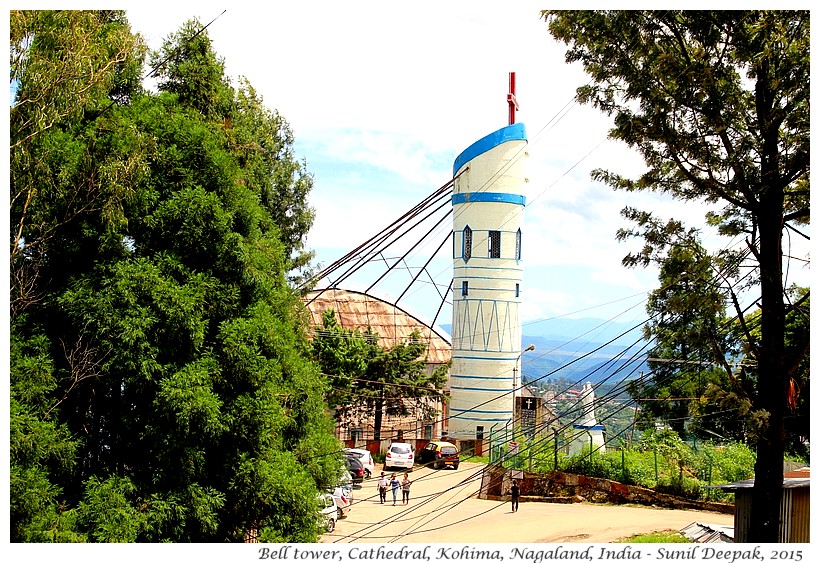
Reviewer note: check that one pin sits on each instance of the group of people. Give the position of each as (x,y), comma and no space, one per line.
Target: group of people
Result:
(394,485)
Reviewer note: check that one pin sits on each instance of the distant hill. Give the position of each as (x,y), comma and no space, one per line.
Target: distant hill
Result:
(579,330)
(568,348)
(583,330)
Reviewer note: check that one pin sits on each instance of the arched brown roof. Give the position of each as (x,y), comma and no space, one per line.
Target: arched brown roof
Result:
(355,310)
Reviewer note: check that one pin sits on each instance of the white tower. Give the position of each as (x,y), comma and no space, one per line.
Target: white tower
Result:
(588,434)
(488,206)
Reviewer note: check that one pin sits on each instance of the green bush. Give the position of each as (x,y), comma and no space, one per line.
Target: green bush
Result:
(661,461)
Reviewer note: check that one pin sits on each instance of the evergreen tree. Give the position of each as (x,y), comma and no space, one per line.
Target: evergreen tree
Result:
(259,139)
(162,387)
(717,103)
(693,352)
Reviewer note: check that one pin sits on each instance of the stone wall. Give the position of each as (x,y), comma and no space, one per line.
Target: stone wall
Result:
(561,487)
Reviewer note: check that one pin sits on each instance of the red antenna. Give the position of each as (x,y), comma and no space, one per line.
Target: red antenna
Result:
(511,101)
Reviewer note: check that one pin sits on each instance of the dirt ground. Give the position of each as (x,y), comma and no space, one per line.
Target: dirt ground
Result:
(444,508)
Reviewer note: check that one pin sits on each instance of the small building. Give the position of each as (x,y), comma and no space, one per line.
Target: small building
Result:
(794,508)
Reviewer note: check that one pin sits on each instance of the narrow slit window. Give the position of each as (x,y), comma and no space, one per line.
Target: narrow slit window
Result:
(495,244)
(518,244)
(464,288)
(518,290)
(467,248)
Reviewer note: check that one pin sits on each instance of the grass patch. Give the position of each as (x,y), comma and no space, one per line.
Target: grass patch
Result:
(665,536)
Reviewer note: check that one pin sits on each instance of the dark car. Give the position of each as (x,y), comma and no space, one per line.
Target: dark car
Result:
(438,455)
(354,465)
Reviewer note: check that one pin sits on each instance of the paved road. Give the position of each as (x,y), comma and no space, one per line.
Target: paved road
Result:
(444,508)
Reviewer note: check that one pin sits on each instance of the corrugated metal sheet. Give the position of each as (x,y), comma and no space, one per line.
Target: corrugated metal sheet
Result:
(357,311)
(795,515)
(698,532)
(794,508)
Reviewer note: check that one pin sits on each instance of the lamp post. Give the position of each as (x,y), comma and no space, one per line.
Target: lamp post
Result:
(516,388)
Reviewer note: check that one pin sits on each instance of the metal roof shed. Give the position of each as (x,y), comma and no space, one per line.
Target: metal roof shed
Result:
(794,509)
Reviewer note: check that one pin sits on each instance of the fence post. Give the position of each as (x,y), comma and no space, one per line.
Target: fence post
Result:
(709,477)
(655,451)
(623,465)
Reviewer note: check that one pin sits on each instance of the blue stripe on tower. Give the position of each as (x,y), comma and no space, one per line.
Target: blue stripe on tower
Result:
(515,132)
(475,197)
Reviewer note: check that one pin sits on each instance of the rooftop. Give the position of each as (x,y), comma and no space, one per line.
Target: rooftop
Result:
(357,311)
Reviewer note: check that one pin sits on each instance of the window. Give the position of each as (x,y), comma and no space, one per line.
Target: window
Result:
(495,244)
(479,432)
(518,290)
(467,248)
(518,244)
(464,288)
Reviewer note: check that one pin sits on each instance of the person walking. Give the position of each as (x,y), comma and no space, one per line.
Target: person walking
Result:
(394,485)
(382,486)
(405,489)
(515,491)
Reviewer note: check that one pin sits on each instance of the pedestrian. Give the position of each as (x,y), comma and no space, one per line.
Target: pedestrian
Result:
(514,492)
(394,485)
(405,489)
(382,486)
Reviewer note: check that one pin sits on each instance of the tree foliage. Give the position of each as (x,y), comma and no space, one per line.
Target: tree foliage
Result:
(258,138)
(368,380)
(161,381)
(717,103)
(695,351)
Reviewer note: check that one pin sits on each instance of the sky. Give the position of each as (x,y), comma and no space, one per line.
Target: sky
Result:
(381,99)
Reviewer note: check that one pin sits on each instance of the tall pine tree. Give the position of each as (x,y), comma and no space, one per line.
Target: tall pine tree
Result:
(156,341)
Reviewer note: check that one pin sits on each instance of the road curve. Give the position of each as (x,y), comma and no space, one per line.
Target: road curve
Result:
(444,508)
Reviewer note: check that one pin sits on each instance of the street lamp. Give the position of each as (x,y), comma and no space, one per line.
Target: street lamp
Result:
(516,390)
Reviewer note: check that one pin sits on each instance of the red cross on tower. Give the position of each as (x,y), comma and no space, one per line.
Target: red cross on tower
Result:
(511,101)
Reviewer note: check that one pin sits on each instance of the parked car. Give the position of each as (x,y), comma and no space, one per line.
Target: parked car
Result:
(399,455)
(346,480)
(366,459)
(342,498)
(328,513)
(439,455)
(356,468)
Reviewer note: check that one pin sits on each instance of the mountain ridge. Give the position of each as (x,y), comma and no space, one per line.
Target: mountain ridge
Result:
(580,350)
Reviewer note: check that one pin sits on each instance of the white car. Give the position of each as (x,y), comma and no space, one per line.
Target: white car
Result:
(343,499)
(366,459)
(328,513)
(399,455)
